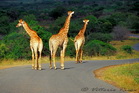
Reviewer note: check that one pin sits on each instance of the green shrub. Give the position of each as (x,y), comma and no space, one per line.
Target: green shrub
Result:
(70,50)
(18,46)
(97,48)
(100,36)
(127,49)
(3,50)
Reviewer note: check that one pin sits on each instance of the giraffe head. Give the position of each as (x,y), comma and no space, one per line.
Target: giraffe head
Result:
(21,22)
(70,13)
(86,21)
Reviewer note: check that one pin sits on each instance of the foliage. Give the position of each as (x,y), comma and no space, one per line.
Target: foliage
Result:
(17,45)
(3,50)
(4,27)
(57,12)
(97,48)
(100,36)
(103,26)
(120,33)
(57,24)
(70,50)
(127,49)
(92,23)
(133,22)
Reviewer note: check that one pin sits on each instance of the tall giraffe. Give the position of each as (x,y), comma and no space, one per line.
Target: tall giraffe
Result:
(60,40)
(36,45)
(79,42)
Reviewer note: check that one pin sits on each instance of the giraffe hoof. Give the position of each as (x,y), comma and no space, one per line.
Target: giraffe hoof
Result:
(50,67)
(35,68)
(62,68)
(55,68)
(81,62)
(39,69)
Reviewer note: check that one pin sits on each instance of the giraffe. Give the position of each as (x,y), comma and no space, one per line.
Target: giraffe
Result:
(79,42)
(36,45)
(60,40)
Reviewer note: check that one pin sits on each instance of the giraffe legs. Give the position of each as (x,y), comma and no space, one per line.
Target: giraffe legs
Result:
(36,62)
(80,55)
(77,56)
(62,54)
(40,52)
(33,58)
(36,58)
(39,61)
(54,63)
(52,59)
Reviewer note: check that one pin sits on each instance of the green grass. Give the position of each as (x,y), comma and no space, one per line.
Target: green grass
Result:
(124,76)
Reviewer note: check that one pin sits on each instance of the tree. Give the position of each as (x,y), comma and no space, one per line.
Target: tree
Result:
(4,27)
(57,12)
(133,22)
(120,33)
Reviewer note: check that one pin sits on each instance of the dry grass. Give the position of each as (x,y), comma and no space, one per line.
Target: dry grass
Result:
(12,63)
(121,54)
(127,76)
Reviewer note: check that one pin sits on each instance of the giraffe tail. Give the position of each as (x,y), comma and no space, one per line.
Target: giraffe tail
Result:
(71,39)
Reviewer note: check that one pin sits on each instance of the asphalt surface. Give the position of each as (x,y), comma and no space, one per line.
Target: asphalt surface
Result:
(76,78)
(136,46)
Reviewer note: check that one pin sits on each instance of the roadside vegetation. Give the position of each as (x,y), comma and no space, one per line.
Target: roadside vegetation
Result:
(125,76)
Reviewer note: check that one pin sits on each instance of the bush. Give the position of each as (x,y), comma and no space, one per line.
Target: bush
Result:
(97,48)
(100,36)
(70,50)
(3,50)
(127,49)
(104,26)
(120,33)
(18,46)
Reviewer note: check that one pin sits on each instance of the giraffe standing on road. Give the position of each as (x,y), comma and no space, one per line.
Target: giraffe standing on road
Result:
(60,40)
(79,42)
(36,45)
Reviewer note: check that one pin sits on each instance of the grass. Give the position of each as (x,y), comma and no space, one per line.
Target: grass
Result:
(12,63)
(121,54)
(127,76)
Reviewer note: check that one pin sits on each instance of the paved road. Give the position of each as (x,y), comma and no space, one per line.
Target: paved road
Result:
(76,78)
(136,46)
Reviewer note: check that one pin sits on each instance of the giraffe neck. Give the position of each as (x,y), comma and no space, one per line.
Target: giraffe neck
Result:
(29,30)
(66,25)
(82,31)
